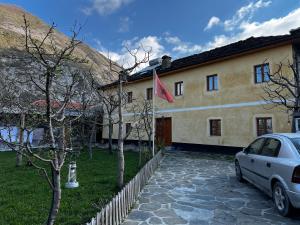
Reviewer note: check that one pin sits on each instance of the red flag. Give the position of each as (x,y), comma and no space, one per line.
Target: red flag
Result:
(160,89)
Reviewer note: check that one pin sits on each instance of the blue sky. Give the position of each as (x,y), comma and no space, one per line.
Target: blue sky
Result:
(174,27)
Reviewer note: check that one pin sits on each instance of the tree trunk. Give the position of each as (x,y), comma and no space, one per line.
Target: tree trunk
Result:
(83,135)
(110,132)
(121,163)
(150,143)
(19,157)
(293,124)
(56,196)
(140,152)
(92,136)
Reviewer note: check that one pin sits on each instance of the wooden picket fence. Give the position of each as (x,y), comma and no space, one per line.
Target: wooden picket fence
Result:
(118,208)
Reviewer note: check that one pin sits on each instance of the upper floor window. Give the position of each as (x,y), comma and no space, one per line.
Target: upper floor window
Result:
(149,93)
(212,82)
(215,127)
(261,73)
(264,126)
(129,97)
(179,88)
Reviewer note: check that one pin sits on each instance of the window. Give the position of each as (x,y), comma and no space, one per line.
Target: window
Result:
(271,147)
(264,126)
(129,97)
(297,125)
(261,73)
(179,88)
(212,83)
(215,127)
(112,99)
(128,128)
(296,142)
(255,147)
(149,93)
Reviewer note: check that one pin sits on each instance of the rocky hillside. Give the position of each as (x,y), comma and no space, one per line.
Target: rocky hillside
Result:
(12,37)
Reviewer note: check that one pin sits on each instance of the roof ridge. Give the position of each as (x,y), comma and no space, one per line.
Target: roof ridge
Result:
(235,48)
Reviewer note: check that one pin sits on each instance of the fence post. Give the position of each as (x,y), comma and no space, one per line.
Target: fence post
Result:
(106,216)
(98,218)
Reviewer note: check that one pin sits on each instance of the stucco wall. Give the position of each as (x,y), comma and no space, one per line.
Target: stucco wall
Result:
(237,102)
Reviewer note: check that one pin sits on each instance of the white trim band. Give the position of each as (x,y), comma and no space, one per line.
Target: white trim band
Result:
(200,108)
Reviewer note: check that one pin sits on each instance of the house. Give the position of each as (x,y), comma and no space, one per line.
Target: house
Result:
(219,96)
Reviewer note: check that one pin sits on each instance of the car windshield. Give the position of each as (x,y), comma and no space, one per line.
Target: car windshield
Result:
(296,142)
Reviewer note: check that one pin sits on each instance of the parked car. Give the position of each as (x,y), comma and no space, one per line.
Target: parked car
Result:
(272,163)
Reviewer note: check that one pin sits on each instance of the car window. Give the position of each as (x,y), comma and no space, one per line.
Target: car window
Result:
(255,147)
(271,147)
(296,142)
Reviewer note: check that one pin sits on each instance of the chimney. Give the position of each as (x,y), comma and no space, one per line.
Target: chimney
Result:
(295,32)
(166,62)
(154,62)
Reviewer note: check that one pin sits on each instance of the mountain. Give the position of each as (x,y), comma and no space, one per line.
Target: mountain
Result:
(12,38)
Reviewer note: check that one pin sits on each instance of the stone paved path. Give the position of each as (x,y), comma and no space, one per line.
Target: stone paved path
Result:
(196,189)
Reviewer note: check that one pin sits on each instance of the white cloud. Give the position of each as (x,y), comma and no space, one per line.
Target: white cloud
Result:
(136,46)
(181,47)
(105,7)
(212,22)
(246,29)
(218,41)
(275,26)
(172,39)
(124,24)
(240,30)
(245,13)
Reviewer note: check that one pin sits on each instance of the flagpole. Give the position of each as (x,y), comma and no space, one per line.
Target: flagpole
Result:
(153,115)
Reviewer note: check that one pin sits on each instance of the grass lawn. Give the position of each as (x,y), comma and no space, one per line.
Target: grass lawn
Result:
(25,195)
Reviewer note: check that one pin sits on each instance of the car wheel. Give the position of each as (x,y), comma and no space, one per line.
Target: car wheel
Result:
(238,172)
(281,199)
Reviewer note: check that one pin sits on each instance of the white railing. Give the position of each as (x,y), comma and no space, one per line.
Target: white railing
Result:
(118,208)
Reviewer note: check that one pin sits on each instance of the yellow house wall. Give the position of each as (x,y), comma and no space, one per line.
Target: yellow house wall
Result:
(236,86)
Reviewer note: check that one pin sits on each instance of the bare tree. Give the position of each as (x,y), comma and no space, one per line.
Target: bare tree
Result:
(138,126)
(283,90)
(147,119)
(110,106)
(138,59)
(48,93)
(92,116)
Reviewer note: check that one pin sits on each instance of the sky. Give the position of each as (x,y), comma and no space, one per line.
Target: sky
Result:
(174,27)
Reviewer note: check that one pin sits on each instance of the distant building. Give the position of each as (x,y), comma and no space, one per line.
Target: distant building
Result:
(218,94)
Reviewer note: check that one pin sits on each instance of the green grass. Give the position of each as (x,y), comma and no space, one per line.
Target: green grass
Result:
(25,195)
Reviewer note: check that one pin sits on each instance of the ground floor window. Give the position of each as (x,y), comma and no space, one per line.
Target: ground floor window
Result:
(128,128)
(264,126)
(129,97)
(215,127)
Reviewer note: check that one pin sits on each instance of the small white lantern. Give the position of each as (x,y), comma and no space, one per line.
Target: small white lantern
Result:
(72,182)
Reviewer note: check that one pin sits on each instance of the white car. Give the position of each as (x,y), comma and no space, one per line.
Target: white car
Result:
(272,163)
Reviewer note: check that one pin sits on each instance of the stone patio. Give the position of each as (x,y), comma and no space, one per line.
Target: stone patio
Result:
(196,189)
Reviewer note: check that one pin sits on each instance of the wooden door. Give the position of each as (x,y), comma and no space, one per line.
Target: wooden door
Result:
(164,131)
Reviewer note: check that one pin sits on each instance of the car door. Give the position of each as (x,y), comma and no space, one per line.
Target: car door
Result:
(265,162)
(247,160)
